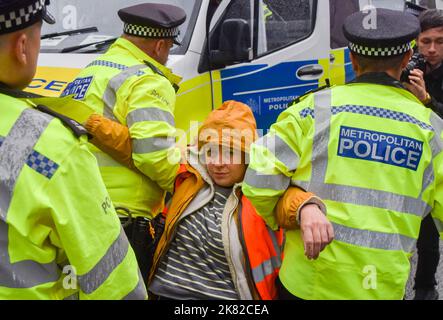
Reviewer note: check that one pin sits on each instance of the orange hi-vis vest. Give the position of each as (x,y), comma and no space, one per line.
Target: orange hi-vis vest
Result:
(263,247)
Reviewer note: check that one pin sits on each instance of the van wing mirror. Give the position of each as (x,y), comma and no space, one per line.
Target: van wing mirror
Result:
(234,43)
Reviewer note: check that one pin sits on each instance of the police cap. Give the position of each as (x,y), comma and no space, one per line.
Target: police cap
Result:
(152,20)
(378,33)
(19,14)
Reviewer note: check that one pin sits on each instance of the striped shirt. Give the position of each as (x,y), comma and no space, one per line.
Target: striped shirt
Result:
(195,267)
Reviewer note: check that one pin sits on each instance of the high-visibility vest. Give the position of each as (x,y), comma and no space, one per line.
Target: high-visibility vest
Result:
(373,153)
(264,256)
(59,234)
(128,86)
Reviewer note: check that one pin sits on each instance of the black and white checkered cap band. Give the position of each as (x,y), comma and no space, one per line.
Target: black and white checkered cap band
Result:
(20,17)
(379,52)
(149,32)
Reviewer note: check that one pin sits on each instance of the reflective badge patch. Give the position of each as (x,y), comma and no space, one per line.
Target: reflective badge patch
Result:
(78,88)
(41,164)
(382,147)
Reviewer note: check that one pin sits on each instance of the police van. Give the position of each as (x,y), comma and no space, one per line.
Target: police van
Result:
(264,53)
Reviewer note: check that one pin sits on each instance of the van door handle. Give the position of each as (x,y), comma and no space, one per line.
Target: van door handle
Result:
(314,71)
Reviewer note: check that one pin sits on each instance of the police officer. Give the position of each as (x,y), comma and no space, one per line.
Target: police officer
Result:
(130,84)
(59,234)
(372,152)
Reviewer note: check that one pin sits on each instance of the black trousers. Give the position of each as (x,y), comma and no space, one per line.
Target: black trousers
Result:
(428,254)
(140,242)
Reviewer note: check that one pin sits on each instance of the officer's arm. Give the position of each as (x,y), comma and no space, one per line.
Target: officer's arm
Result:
(151,124)
(273,160)
(89,233)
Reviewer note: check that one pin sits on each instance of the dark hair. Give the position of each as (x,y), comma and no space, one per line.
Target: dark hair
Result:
(368,64)
(432,18)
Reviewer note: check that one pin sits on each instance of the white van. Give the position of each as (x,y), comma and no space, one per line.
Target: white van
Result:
(264,53)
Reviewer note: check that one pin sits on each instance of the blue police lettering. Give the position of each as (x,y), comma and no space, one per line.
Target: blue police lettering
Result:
(37,86)
(381,147)
(78,88)
(55,85)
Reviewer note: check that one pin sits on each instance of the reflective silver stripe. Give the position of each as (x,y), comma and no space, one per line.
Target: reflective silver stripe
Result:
(154,144)
(150,114)
(439,225)
(281,150)
(373,239)
(436,142)
(14,151)
(110,94)
(366,197)
(263,181)
(277,248)
(436,147)
(266,268)
(139,292)
(105,160)
(322,112)
(428,178)
(116,253)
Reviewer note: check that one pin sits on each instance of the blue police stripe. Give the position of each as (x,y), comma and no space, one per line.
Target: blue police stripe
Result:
(42,164)
(381,113)
(103,63)
(307,112)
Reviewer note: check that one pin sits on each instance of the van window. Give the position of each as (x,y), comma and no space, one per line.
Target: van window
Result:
(102,14)
(230,41)
(280,24)
(340,9)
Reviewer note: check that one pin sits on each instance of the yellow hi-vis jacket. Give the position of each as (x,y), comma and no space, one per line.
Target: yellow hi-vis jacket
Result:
(59,234)
(373,153)
(128,86)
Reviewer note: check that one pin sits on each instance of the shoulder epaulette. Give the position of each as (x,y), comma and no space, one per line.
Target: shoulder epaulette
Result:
(75,127)
(159,72)
(299,98)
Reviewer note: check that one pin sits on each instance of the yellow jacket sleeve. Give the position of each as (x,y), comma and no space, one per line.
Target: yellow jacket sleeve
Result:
(274,159)
(88,232)
(150,119)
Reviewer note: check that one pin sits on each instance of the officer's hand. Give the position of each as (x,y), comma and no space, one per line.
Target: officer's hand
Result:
(317,231)
(417,84)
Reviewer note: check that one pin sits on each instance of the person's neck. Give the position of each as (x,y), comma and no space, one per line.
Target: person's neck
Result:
(431,67)
(392,73)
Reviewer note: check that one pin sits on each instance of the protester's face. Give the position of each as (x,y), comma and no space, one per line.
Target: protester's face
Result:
(225,166)
(430,44)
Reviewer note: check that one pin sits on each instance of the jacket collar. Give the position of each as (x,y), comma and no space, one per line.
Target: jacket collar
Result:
(19,94)
(381,78)
(435,74)
(143,58)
